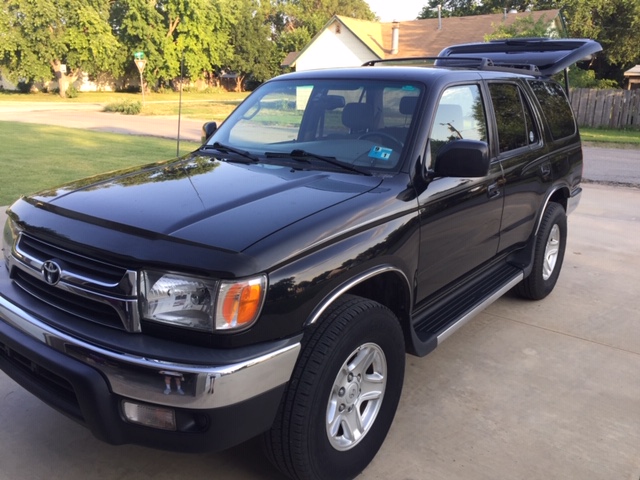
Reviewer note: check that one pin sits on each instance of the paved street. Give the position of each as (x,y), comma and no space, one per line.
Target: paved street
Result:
(527,390)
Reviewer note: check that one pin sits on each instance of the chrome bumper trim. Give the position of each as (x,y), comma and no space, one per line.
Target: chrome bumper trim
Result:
(145,379)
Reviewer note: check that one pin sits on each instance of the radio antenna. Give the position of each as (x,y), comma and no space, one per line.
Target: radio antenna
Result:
(180,103)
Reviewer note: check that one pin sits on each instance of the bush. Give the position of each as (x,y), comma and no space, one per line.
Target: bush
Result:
(72,92)
(126,107)
(579,78)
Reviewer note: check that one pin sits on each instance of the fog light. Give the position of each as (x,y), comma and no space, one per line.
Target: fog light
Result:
(149,415)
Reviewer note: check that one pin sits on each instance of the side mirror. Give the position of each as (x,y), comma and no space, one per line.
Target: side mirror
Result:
(463,158)
(208,129)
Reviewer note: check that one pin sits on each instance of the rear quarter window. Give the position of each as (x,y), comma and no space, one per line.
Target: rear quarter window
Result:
(555,107)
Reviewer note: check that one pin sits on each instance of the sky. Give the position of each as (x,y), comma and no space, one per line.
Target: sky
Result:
(401,10)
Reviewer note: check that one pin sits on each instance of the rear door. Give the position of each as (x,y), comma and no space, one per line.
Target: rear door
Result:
(524,159)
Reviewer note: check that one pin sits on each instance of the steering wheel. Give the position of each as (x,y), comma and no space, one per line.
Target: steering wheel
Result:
(392,142)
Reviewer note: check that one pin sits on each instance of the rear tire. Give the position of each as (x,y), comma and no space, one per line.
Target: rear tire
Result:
(548,254)
(343,393)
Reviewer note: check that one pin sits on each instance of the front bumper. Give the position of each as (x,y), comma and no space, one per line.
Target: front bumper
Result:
(220,405)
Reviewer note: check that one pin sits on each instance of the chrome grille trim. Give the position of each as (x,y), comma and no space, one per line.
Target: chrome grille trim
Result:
(119,294)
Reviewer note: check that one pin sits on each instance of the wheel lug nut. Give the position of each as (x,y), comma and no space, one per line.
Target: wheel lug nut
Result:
(341,407)
(350,377)
(341,392)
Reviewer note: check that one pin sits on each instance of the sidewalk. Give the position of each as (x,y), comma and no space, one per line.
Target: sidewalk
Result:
(91,117)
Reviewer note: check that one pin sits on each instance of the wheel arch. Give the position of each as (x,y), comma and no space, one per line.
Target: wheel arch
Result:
(560,195)
(385,284)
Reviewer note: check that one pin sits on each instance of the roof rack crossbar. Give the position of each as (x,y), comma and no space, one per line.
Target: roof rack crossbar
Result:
(477,63)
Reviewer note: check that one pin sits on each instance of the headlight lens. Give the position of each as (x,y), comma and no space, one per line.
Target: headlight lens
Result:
(200,303)
(9,235)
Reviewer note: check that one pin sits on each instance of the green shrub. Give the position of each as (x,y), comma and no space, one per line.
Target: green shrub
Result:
(127,107)
(579,78)
(72,92)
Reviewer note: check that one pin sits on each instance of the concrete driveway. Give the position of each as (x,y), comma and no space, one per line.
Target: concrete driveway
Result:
(526,390)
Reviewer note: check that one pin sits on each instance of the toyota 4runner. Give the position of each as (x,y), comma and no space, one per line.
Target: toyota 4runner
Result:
(271,282)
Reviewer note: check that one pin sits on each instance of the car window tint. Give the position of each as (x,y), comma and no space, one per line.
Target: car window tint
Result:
(555,107)
(514,121)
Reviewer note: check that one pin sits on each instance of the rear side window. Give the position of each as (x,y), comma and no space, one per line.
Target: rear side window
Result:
(516,127)
(556,108)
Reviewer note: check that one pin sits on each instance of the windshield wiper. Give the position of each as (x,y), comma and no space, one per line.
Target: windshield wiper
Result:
(228,149)
(302,155)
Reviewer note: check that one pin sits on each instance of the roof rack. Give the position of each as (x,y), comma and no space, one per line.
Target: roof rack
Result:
(476,63)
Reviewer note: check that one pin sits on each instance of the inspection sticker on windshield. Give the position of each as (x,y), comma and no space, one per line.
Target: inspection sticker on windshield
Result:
(380,153)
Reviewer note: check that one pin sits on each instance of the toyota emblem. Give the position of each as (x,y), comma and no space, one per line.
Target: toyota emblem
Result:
(51,272)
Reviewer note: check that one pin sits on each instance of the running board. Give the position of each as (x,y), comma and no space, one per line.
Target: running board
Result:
(437,322)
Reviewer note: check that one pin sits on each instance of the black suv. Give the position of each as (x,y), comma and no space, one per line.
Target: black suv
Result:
(272,281)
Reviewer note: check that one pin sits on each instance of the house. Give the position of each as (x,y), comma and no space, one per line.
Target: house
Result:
(633,78)
(345,41)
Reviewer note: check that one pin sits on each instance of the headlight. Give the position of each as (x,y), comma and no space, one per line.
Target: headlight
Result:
(200,303)
(9,236)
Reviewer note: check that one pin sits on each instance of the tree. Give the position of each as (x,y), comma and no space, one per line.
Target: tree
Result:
(250,40)
(613,23)
(295,22)
(460,8)
(169,31)
(450,8)
(63,37)
(523,26)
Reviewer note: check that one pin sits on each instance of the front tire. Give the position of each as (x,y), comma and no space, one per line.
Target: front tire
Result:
(548,254)
(343,394)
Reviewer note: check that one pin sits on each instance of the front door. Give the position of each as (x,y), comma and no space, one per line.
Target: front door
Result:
(459,217)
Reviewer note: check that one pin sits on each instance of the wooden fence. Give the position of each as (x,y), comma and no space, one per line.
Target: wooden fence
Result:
(606,108)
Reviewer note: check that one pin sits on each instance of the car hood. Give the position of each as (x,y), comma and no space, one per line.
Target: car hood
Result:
(205,200)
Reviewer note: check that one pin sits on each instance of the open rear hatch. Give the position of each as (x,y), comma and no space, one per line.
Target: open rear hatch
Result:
(549,55)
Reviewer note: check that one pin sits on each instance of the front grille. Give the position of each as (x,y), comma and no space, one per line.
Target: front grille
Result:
(87,288)
(98,271)
(82,307)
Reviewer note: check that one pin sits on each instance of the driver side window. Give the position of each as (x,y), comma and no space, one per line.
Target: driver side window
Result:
(460,114)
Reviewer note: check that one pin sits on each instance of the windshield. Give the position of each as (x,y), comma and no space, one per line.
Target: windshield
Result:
(324,123)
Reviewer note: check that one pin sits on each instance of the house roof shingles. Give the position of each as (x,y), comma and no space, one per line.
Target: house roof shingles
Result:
(420,38)
(423,38)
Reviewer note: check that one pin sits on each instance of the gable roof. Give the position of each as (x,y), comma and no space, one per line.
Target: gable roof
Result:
(420,38)
(633,71)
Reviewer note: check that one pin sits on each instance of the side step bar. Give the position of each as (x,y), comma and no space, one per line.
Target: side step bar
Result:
(437,322)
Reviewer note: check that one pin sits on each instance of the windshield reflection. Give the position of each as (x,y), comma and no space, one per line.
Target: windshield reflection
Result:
(361,124)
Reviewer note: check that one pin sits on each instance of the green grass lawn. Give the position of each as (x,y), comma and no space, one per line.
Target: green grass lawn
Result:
(36,157)
(627,138)
(202,106)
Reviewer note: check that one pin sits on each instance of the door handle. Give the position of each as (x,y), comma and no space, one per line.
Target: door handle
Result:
(545,169)
(494,190)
